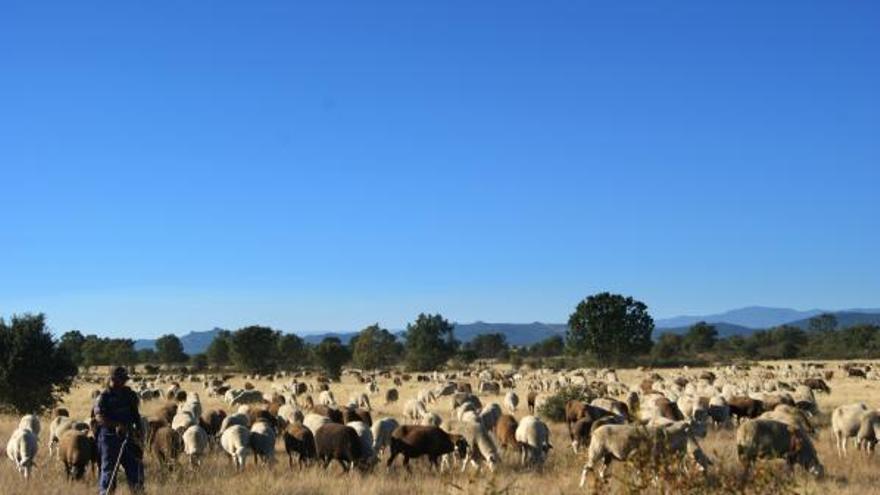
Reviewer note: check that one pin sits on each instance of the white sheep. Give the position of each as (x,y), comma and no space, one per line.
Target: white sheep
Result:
(235,441)
(511,401)
(195,443)
(262,441)
(533,437)
(382,431)
(366,437)
(22,450)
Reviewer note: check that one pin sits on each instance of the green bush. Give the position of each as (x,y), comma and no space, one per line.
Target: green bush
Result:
(554,407)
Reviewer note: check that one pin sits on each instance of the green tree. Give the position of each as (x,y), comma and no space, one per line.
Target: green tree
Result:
(252,348)
(430,342)
(611,327)
(34,370)
(549,347)
(218,349)
(668,346)
(330,355)
(291,351)
(147,356)
(489,346)
(375,347)
(169,348)
(700,337)
(199,361)
(72,343)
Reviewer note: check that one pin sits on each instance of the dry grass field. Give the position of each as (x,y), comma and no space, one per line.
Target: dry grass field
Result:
(856,474)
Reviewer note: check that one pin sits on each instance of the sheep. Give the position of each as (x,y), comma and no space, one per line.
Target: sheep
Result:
(719,410)
(235,441)
(22,450)
(326,398)
(363,415)
(382,431)
(533,437)
(193,405)
(489,416)
(233,420)
(30,422)
(262,441)
(338,442)
(620,441)
(413,441)
(869,431)
(195,443)
(368,456)
(166,446)
(58,422)
(77,450)
(314,421)
(212,421)
(391,395)
(297,438)
(767,438)
(480,446)
(511,401)
(183,420)
(530,401)
(414,409)
(845,423)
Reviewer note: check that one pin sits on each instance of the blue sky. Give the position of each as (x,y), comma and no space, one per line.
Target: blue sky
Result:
(172,166)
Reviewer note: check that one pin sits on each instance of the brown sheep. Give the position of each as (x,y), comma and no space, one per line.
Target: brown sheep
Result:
(338,442)
(334,414)
(166,412)
(299,439)
(77,450)
(745,407)
(818,385)
(166,446)
(530,401)
(211,421)
(414,441)
(391,395)
(362,415)
(505,431)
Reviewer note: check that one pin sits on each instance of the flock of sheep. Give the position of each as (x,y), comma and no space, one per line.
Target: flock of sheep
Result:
(773,411)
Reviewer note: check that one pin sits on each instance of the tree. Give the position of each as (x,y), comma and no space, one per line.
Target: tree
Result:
(611,327)
(374,348)
(34,370)
(826,322)
(489,346)
(147,356)
(430,342)
(291,351)
(199,361)
(330,355)
(170,349)
(668,346)
(218,349)
(700,337)
(252,348)
(72,343)
(549,347)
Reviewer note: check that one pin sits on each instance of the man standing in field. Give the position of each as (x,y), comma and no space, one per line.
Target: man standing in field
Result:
(119,434)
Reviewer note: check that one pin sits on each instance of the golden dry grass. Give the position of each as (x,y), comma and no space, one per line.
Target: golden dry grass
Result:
(856,474)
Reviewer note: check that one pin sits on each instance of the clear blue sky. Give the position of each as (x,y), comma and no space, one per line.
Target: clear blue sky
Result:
(172,166)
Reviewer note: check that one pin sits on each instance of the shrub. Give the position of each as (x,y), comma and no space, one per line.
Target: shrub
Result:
(554,407)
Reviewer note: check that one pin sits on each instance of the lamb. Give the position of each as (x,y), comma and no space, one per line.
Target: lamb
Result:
(533,437)
(382,431)
(845,423)
(297,438)
(166,446)
(195,443)
(235,441)
(767,438)
(22,450)
(620,441)
(262,441)
(77,450)
(334,441)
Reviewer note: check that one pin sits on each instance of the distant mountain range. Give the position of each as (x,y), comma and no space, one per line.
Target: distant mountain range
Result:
(742,321)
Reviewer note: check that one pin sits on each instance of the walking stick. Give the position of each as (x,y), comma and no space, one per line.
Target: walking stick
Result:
(112,487)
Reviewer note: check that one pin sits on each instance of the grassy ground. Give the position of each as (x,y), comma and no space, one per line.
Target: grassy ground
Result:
(856,474)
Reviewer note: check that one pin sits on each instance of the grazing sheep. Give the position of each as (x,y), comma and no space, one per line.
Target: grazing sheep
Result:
(745,407)
(770,439)
(195,444)
(262,441)
(391,395)
(533,437)
(368,456)
(245,397)
(239,419)
(719,410)
(480,446)
(30,422)
(77,450)
(362,415)
(869,431)
(297,438)
(414,409)
(235,441)
(183,420)
(212,421)
(530,401)
(341,443)
(511,401)
(413,441)
(382,431)
(22,450)
(58,423)
(489,416)
(314,421)
(505,431)
(845,423)
(620,441)
(326,398)
(166,446)
(335,415)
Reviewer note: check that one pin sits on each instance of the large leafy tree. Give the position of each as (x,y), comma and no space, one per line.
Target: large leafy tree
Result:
(34,369)
(169,348)
(611,327)
(252,349)
(489,346)
(668,346)
(218,349)
(291,351)
(700,337)
(72,343)
(375,347)
(430,342)
(330,355)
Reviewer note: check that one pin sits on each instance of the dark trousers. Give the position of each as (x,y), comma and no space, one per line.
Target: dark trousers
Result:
(130,462)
